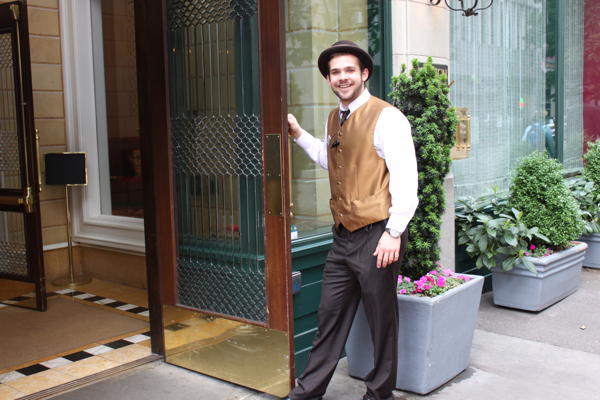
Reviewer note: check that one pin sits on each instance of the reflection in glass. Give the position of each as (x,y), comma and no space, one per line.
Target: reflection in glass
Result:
(591,72)
(312,27)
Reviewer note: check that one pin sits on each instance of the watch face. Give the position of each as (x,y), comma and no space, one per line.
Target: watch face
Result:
(393,233)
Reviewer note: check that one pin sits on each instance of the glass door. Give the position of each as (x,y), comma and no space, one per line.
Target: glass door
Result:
(21,260)
(219,167)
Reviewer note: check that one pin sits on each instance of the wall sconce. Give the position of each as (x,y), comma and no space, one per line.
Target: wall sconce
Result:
(466,12)
(463,135)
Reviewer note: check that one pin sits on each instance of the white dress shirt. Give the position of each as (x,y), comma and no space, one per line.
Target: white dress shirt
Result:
(393,142)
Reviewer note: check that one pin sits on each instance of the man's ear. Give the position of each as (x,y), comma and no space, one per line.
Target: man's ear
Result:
(365,75)
(328,80)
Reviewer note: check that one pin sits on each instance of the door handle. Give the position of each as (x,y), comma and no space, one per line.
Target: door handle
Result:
(26,201)
(37,155)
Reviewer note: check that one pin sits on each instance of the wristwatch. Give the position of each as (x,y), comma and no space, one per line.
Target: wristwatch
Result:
(393,233)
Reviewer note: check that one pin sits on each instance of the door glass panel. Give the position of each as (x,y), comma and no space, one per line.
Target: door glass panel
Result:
(13,254)
(216,151)
(10,167)
(312,27)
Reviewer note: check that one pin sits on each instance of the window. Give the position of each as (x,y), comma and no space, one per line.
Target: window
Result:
(93,219)
(518,69)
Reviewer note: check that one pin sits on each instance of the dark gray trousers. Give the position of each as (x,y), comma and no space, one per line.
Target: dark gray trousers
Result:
(350,274)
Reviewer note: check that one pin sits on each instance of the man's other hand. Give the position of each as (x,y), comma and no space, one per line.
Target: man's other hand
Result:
(293,126)
(388,250)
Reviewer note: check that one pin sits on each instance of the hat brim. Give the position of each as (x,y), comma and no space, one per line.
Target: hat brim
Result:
(343,48)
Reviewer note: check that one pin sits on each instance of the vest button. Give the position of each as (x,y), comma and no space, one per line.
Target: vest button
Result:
(339,183)
(339,150)
(341,215)
(339,199)
(339,167)
(341,134)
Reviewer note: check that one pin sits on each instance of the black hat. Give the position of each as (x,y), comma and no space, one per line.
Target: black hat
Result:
(344,46)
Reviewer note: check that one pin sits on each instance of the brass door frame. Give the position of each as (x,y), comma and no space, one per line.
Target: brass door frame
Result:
(13,19)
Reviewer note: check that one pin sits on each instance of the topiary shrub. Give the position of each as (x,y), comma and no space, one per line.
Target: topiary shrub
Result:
(539,191)
(591,171)
(423,98)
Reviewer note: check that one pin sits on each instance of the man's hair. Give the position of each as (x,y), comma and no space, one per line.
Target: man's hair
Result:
(360,63)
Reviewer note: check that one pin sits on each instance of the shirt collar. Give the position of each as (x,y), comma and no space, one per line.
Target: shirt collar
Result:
(359,101)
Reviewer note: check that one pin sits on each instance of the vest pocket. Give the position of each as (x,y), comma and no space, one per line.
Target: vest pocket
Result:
(371,207)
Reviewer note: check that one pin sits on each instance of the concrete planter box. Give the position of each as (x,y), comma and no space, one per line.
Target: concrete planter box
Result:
(434,341)
(592,254)
(558,277)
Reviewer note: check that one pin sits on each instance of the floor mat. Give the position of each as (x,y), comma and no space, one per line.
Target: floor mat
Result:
(29,335)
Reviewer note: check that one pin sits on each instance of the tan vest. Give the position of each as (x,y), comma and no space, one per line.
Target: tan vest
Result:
(358,177)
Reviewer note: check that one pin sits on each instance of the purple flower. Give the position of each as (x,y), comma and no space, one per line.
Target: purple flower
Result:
(441,282)
(427,287)
(532,247)
(402,291)
(547,254)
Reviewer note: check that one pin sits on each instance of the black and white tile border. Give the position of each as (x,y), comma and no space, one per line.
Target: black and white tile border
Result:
(118,305)
(76,356)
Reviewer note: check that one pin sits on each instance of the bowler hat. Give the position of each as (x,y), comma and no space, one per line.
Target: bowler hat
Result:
(344,46)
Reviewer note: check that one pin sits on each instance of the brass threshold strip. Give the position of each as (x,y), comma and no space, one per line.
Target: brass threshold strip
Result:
(76,384)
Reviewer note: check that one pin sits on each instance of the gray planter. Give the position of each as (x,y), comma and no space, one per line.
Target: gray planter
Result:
(558,276)
(434,341)
(592,254)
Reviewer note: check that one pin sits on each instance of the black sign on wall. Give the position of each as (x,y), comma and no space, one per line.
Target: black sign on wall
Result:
(66,169)
(441,68)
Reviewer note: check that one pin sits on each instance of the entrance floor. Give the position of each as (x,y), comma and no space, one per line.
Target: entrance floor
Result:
(85,331)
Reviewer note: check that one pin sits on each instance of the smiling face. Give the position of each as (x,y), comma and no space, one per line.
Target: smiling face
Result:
(345,77)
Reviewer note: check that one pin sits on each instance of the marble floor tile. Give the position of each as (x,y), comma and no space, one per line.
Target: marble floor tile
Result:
(127,354)
(105,301)
(99,350)
(126,307)
(41,381)
(136,338)
(8,393)
(85,296)
(87,367)
(57,362)
(10,376)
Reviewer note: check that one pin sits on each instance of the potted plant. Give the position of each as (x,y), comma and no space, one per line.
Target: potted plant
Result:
(437,323)
(586,191)
(438,313)
(539,265)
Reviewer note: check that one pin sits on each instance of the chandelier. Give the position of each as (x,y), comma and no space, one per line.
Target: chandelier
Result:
(467,12)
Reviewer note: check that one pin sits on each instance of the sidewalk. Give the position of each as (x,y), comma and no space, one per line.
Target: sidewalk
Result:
(515,355)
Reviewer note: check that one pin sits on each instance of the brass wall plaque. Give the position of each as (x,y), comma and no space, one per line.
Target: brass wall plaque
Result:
(274,172)
(247,355)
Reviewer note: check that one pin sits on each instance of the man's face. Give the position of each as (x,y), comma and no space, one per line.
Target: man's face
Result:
(345,78)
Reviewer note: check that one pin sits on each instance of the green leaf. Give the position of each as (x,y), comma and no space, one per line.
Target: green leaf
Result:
(491,232)
(509,263)
(540,236)
(529,265)
(463,239)
(510,238)
(518,214)
(506,250)
(471,249)
(483,217)
(483,243)
(496,224)
(479,262)
(487,262)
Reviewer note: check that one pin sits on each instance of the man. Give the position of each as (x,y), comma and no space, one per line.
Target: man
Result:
(369,152)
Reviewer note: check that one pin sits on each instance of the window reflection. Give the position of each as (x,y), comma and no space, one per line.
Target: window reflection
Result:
(310,28)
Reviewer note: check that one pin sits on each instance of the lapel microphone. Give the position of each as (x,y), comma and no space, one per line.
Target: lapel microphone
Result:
(335,144)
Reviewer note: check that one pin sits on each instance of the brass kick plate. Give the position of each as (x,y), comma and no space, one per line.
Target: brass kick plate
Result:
(26,201)
(247,355)
(274,172)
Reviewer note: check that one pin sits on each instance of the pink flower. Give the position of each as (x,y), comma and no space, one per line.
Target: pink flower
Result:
(433,272)
(526,253)
(447,272)
(547,254)
(532,247)
(407,279)
(427,287)
(466,278)
(441,282)
(402,291)
(548,250)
